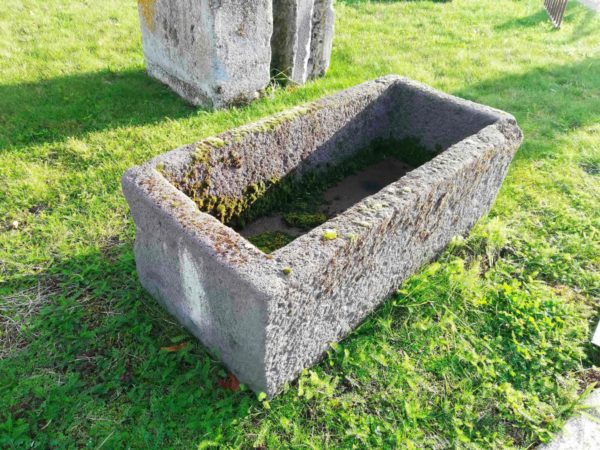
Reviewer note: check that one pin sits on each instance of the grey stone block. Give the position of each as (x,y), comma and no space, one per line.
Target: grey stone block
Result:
(302,38)
(211,52)
(266,322)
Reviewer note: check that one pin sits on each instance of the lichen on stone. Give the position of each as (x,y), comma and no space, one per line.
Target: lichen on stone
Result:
(362,223)
(329,234)
(270,241)
(351,237)
(147,8)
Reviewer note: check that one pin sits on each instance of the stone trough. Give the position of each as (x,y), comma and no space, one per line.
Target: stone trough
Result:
(268,316)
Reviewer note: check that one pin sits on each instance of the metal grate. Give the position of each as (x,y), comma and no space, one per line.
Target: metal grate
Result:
(556,10)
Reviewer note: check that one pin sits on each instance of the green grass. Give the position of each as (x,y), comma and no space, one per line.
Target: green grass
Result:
(484,348)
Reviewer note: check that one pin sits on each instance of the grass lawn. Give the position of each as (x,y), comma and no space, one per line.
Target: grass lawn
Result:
(485,348)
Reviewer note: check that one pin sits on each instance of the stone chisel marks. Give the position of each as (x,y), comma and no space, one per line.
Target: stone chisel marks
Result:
(269,316)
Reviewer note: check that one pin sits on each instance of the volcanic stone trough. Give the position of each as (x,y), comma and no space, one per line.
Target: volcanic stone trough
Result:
(268,316)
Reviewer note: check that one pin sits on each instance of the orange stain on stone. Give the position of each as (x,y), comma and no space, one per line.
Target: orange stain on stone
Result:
(147,8)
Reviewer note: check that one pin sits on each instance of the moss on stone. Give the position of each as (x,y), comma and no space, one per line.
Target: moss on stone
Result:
(304,220)
(271,240)
(271,123)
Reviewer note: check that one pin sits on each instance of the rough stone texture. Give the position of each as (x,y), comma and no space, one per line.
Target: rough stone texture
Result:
(211,52)
(265,324)
(290,43)
(322,38)
(302,38)
(581,432)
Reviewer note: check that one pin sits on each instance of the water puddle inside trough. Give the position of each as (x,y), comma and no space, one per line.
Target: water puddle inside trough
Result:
(277,229)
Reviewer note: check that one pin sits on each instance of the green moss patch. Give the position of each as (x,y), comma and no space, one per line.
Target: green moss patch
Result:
(304,220)
(330,235)
(270,241)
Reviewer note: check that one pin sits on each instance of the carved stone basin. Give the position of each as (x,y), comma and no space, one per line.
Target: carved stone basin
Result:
(268,316)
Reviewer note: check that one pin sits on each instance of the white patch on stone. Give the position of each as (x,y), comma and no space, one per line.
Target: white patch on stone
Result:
(196,297)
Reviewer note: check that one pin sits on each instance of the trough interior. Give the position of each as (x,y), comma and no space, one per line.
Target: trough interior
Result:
(239,176)
(298,204)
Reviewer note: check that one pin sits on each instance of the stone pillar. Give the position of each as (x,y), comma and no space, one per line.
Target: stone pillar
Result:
(213,53)
(323,21)
(302,38)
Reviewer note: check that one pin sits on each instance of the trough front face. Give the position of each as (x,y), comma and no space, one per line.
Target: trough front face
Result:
(268,316)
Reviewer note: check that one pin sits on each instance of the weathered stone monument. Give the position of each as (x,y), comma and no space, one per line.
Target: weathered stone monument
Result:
(302,38)
(211,52)
(218,53)
(268,316)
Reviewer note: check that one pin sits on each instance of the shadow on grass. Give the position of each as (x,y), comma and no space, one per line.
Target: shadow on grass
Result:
(548,102)
(587,25)
(54,109)
(530,21)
